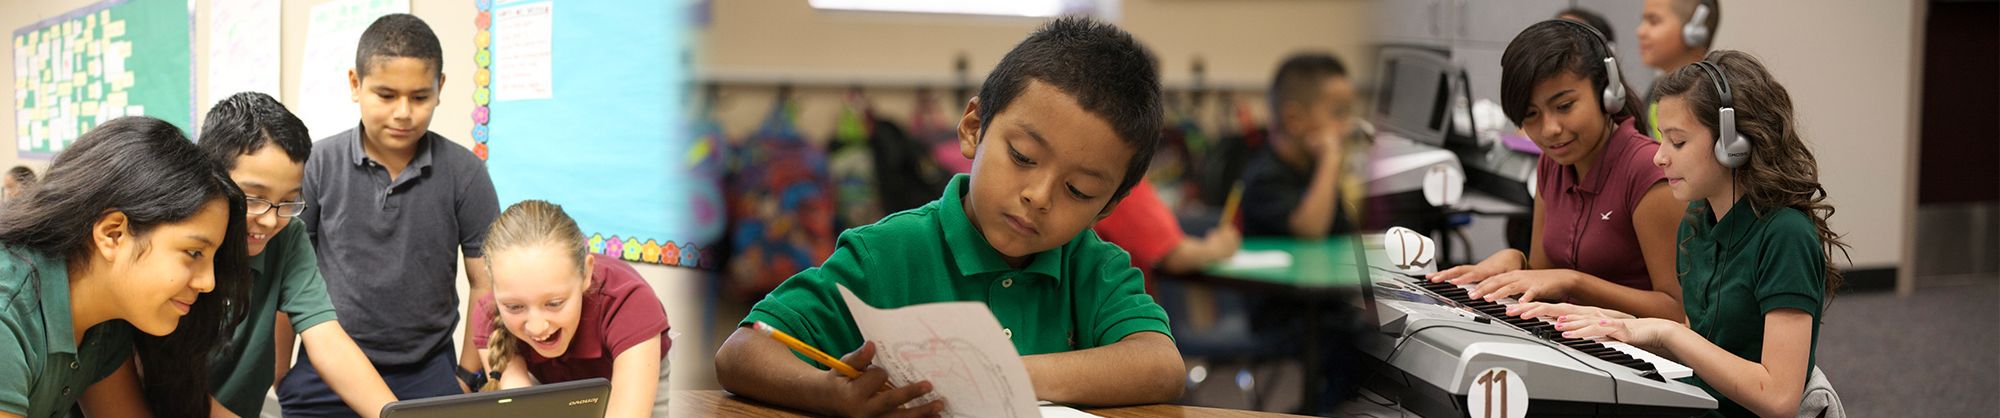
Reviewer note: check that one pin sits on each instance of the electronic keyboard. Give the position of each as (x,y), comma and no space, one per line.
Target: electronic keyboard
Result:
(1436,342)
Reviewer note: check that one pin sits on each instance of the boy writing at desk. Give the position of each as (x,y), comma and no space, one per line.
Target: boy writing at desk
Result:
(1062,129)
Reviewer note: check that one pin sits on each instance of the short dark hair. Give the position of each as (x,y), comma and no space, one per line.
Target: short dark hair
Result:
(1110,74)
(399,35)
(1594,20)
(244,122)
(22,175)
(1299,79)
(1552,48)
(148,170)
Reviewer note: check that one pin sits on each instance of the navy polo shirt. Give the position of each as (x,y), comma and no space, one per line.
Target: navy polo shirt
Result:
(388,247)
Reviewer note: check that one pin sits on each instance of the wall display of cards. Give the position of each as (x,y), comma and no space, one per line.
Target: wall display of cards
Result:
(94,64)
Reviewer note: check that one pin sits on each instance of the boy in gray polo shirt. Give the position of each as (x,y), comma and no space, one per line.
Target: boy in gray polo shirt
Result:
(388,204)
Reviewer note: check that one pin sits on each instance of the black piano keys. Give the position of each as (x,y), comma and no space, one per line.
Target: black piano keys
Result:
(1539,328)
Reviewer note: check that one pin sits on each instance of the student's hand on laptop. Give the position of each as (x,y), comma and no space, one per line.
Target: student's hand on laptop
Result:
(863,396)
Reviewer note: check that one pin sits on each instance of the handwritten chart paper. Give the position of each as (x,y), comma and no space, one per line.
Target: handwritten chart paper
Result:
(242,48)
(325,103)
(958,347)
(521,69)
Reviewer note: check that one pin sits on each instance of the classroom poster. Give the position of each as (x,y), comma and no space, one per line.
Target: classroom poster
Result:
(243,48)
(324,100)
(110,59)
(522,72)
(582,103)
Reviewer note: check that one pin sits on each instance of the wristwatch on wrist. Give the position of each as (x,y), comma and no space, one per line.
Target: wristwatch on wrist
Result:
(473,380)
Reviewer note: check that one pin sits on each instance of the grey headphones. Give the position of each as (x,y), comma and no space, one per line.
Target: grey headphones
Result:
(1695,32)
(1613,96)
(1731,148)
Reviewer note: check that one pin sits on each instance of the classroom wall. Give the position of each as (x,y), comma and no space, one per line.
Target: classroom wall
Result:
(682,290)
(753,45)
(1852,68)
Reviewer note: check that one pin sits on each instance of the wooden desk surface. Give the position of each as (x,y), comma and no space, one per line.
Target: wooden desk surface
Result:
(716,403)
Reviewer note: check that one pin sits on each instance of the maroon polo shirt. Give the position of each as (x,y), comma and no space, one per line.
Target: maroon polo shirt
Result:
(619,311)
(1588,224)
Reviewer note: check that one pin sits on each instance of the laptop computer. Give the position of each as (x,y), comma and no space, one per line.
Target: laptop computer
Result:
(574,399)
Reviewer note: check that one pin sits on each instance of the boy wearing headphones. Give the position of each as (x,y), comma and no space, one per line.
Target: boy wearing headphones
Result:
(1675,33)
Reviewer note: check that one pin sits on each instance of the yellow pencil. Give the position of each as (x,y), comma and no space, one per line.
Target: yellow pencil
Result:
(1229,205)
(815,354)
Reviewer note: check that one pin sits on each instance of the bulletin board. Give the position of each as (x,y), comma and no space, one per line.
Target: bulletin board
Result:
(582,103)
(110,59)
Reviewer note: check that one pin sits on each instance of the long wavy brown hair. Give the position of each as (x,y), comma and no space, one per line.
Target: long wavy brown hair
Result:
(529,223)
(1781,171)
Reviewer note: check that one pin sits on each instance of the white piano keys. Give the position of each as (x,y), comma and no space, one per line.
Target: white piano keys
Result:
(1667,368)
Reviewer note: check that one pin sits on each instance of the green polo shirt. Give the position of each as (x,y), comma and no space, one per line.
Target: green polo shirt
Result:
(1738,269)
(1082,295)
(288,280)
(43,369)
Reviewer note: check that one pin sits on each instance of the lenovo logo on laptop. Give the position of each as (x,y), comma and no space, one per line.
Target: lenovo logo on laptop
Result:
(583,401)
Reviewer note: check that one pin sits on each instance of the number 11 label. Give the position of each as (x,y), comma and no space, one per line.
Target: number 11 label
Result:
(1498,393)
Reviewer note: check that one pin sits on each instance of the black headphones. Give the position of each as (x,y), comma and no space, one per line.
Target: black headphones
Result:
(1612,98)
(1731,148)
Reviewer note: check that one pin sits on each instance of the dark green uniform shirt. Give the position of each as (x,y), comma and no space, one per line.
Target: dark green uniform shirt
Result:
(287,279)
(1082,295)
(1742,267)
(43,368)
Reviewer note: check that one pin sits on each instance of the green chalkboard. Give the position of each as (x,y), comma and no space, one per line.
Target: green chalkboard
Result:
(110,59)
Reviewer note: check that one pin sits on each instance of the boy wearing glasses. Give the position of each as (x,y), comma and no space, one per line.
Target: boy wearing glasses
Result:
(265,148)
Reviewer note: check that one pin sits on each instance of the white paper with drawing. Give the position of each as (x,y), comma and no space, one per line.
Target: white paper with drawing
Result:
(957,346)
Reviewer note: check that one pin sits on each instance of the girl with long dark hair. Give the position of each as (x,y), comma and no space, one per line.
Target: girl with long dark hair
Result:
(126,260)
(1754,256)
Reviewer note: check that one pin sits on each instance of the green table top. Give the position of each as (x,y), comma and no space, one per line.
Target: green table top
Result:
(1323,263)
